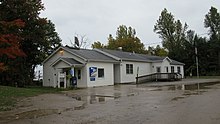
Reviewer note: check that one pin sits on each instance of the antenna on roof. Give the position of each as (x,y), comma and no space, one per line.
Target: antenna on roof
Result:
(76,41)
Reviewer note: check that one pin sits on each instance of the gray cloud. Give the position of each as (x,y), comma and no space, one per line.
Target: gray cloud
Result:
(98,18)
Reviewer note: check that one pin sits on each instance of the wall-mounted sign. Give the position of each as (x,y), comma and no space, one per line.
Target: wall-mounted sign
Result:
(62,75)
(72,72)
(92,73)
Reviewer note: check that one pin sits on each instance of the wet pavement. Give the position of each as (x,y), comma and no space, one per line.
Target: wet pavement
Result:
(170,103)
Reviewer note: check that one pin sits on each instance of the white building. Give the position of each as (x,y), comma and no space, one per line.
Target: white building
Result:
(100,67)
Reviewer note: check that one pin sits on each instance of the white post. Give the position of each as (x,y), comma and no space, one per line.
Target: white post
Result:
(64,79)
(58,79)
(72,71)
(54,78)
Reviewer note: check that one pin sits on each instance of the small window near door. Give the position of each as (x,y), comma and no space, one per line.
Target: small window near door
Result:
(129,68)
(158,69)
(172,69)
(79,74)
(101,73)
(178,70)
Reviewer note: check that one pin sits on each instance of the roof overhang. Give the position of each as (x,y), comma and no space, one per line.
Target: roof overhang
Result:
(69,61)
(63,48)
(168,59)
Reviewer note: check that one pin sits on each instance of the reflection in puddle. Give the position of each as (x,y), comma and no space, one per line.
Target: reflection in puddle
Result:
(93,99)
(80,107)
(191,89)
(133,94)
(157,89)
(197,86)
(177,98)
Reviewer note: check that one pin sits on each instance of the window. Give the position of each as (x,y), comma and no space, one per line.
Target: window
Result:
(178,70)
(129,68)
(158,69)
(172,69)
(79,74)
(167,69)
(101,73)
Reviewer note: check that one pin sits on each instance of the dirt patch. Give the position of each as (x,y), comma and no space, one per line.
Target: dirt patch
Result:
(122,104)
(177,98)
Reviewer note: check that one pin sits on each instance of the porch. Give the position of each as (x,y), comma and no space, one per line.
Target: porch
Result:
(67,72)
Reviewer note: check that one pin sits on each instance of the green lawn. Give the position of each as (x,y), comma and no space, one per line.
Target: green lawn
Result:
(9,95)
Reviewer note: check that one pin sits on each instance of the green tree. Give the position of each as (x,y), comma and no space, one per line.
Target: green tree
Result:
(212,22)
(157,51)
(98,45)
(39,38)
(172,33)
(160,51)
(127,39)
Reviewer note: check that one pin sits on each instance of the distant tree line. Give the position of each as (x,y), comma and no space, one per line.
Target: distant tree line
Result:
(184,44)
(26,39)
(127,40)
(178,42)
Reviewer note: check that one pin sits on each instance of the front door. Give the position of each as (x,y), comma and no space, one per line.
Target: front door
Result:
(61,79)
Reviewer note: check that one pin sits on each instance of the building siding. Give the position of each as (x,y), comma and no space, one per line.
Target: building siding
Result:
(49,72)
(144,69)
(108,74)
(113,73)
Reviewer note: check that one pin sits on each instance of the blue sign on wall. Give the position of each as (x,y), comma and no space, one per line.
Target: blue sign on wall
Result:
(92,73)
(72,72)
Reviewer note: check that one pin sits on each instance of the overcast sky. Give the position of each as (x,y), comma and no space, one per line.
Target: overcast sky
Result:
(98,18)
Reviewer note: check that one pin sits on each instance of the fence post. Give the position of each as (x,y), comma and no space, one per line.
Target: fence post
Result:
(136,80)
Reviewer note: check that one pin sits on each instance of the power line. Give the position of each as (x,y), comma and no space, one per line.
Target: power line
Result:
(152,43)
(147,44)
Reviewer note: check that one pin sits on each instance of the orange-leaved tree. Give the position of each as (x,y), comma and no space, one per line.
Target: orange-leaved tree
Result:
(10,41)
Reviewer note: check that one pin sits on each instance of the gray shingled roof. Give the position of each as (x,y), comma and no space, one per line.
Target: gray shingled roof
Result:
(152,58)
(127,55)
(134,56)
(138,57)
(71,61)
(91,55)
(174,62)
(94,55)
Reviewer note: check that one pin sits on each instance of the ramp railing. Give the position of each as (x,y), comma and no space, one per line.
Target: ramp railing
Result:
(158,77)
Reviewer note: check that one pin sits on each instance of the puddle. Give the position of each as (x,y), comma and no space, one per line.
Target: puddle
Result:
(133,94)
(37,113)
(191,87)
(30,114)
(157,89)
(177,98)
(80,107)
(93,99)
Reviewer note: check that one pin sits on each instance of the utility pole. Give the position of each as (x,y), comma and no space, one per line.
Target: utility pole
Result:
(197,62)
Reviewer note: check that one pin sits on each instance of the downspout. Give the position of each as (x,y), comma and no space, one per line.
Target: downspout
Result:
(120,70)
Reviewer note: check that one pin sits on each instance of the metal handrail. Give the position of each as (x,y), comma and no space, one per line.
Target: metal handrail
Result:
(158,77)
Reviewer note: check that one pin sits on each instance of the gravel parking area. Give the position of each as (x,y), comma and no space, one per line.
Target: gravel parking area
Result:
(184,101)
